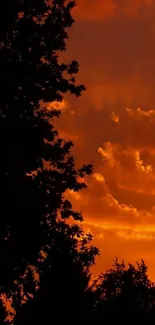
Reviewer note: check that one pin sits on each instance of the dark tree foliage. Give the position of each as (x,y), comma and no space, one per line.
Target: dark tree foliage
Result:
(124,296)
(33,208)
(64,292)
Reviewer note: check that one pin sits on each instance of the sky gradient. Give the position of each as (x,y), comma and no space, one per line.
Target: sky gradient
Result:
(113,125)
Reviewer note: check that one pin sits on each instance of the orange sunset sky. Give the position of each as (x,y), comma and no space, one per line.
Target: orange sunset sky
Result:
(113,124)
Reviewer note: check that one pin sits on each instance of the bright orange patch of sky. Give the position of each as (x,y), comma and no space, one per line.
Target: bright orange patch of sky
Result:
(113,124)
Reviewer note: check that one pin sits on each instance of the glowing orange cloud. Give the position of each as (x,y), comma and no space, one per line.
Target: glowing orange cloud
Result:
(113,125)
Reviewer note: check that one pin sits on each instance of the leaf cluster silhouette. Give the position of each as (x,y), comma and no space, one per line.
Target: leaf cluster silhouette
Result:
(45,256)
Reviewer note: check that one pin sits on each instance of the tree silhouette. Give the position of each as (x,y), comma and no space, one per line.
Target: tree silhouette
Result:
(45,256)
(36,165)
(125,295)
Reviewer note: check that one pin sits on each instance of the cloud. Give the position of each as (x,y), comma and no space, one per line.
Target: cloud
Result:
(99,178)
(138,127)
(115,117)
(57,105)
(101,208)
(128,175)
(114,125)
(100,10)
